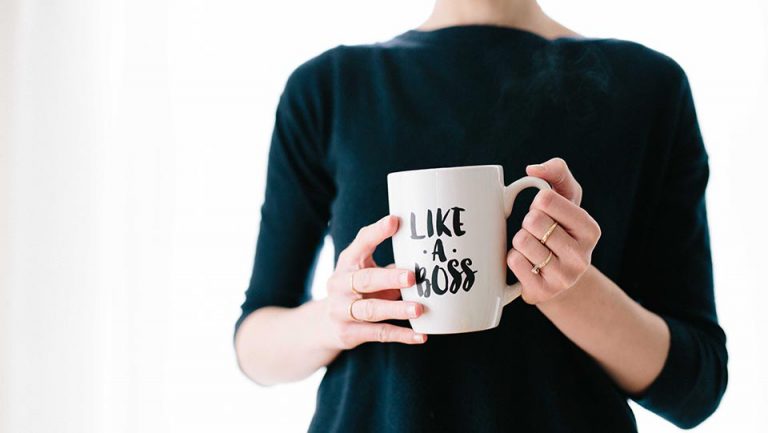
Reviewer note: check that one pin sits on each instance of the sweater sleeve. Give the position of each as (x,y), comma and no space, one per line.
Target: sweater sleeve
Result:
(676,277)
(299,190)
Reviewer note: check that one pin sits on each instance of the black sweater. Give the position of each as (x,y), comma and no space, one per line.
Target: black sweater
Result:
(621,115)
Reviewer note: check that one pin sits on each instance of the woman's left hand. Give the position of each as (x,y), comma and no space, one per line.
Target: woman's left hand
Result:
(571,242)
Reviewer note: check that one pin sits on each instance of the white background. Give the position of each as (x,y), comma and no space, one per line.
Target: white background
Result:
(133,137)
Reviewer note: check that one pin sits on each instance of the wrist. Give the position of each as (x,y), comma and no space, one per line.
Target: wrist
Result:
(564,298)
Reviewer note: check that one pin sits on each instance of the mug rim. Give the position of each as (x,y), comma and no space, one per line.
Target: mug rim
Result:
(449,168)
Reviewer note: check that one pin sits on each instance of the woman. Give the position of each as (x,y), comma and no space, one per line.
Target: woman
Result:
(492,82)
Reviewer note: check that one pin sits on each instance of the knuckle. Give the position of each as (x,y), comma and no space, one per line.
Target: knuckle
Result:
(402,310)
(526,240)
(382,333)
(544,198)
(393,277)
(369,310)
(592,234)
(528,219)
(363,278)
(518,239)
(344,255)
(510,260)
(361,232)
(514,259)
(598,231)
(532,220)
(345,337)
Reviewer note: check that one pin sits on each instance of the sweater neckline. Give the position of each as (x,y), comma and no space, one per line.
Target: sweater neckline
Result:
(475,32)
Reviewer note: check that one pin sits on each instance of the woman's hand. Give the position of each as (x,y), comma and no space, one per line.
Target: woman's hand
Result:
(571,241)
(360,293)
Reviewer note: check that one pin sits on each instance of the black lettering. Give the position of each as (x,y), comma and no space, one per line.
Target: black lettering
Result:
(469,273)
(455,275)
(457,230)
(430,228)
(440,223)
(436,284)
(422,284)
(413,228)
(438,251)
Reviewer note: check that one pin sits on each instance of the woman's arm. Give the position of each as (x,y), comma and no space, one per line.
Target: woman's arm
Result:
(669,353)
(277,344)
(282,335)
(628,341)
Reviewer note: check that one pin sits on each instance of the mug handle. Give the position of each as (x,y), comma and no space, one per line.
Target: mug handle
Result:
(513,291)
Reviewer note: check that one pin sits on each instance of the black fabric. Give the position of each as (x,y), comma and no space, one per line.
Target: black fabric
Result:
(622,116)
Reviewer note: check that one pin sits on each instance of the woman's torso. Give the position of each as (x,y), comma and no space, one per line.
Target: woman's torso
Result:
(470,95)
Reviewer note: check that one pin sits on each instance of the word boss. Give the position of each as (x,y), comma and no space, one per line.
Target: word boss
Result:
(446,275)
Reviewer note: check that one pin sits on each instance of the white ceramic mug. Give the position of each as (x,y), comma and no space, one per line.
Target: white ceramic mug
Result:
(453,234)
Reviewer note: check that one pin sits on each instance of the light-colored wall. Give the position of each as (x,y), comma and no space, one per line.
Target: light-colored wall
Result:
(133,138)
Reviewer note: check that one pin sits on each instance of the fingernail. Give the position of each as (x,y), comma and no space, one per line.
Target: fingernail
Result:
(419,337)
(537,166)
(404,279)
(412,313)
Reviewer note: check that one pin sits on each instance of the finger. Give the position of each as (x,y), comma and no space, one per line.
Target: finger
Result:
(391,294)
(559,241)
(575,220)
(369,280)
(375,310)
(521,267)
(537,254)
(366,241)
(556,172)
(384,333)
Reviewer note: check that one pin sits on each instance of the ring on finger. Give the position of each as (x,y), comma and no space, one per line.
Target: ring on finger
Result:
(537,268)
(352,283)
(549,232)
(351,314)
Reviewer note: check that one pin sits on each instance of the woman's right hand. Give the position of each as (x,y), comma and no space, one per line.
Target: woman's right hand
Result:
(361,294)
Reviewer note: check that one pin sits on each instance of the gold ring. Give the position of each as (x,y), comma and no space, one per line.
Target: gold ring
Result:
(352,283)
(548,232)
(352,315)
(538,267)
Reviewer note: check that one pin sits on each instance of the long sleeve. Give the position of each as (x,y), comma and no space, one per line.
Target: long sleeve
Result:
(299,191)
(676,277)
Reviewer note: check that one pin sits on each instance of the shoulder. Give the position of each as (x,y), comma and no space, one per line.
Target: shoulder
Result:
(639,64)
(626,71)
(322,72)
(311,72)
